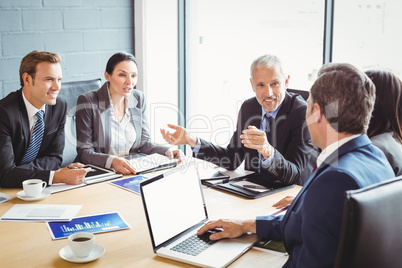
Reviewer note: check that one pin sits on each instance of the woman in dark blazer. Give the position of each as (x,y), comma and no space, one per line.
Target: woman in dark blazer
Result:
(385,129)
(111,121)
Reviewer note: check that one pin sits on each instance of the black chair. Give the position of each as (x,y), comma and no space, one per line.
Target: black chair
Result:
(371,233)
(302,93)
(70,91)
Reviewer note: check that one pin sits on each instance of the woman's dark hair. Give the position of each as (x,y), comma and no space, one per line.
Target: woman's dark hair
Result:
(117,58)
(387,114)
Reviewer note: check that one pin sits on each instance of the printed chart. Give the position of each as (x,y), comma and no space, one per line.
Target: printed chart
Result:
(92,224)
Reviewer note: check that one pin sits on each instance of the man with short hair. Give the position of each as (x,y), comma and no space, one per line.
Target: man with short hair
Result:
(271,136)
(338,114)
(32,126)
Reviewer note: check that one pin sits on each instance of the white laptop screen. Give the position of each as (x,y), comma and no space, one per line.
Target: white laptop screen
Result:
(173,204)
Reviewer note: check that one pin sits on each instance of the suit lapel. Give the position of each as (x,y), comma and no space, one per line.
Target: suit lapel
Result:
(23,118)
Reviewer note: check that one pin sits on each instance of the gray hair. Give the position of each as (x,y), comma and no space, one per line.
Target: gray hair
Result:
(266,61)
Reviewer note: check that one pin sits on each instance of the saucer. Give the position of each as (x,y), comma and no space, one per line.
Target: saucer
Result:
(66,254)
(23,196)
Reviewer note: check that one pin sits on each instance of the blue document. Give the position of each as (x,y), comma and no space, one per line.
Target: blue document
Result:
(92,224)
(132,184)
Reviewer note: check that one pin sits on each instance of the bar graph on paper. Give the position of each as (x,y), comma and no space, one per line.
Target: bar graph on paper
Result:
(93,224)
(89,225)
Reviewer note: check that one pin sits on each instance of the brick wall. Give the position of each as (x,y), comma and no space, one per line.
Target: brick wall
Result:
(85,32)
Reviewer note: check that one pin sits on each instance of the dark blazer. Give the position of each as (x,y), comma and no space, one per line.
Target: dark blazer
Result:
(93,126)
(15,137)
(294,157)
(312,224)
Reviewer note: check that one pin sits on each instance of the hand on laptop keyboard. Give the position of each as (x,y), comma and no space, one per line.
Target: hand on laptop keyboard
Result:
(196,244)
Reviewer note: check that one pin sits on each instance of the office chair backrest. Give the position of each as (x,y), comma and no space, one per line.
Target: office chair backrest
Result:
(70,91)
(302,93)
(371,233)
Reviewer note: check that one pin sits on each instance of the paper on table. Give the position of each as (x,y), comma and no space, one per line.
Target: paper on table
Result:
(41,212)
(4,197)
(131,184)
(60,187)
(100,223)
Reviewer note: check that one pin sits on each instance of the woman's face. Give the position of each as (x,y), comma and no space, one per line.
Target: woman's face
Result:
(123,78)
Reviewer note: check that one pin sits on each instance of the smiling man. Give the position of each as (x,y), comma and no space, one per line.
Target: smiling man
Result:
(271,135)
(32,126)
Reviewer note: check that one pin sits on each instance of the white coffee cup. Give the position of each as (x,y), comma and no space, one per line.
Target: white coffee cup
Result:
(81,243)
(33,187)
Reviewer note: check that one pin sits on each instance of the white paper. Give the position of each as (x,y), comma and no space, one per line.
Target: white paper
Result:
(4,197)
(41,212)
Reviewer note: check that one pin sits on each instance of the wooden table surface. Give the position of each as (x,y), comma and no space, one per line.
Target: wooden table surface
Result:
(29,244)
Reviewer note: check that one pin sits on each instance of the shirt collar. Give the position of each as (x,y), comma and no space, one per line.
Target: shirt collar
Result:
(31,110)
(271,114)
(333,147)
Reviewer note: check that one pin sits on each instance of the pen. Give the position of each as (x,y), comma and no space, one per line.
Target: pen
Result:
(73,167)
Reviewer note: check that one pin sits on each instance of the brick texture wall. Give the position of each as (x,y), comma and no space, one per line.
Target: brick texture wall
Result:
(85,32)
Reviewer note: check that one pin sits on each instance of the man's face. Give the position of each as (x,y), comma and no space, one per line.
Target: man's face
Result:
(269,86)
(45,87)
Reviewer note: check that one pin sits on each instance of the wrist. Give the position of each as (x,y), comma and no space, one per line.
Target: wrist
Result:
(250,226)
(192,140)
(268,152)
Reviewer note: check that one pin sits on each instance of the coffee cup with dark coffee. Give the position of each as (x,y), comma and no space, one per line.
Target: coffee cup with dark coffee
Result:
(81,243)
(33,187)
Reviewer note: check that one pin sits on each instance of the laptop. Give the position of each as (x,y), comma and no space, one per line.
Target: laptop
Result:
(175,209)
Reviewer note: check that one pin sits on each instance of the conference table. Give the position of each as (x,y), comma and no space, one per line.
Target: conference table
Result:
(29,244)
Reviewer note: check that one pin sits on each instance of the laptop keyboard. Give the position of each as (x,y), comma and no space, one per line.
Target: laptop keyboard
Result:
(195,244)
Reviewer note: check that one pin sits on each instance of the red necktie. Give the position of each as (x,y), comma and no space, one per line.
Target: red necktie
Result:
(314,169)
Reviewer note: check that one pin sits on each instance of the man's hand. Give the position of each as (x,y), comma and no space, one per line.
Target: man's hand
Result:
(231,228)
(122,166)
(254,138)
(179,136)
(175,153)
(72,174)
(284,202)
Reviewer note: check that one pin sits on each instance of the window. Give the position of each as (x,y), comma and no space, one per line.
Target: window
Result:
(366,34)
(156,49)
(225,36)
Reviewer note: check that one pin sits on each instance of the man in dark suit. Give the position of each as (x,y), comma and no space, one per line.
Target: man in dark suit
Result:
(271,135)
(338,114)
(20,111)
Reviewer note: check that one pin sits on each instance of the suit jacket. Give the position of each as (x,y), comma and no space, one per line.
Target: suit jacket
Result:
(312,224)
(93,126)
(392,150)
(293,158)
(15,138)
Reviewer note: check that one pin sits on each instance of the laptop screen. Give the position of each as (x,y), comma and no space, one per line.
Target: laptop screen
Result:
(173,203)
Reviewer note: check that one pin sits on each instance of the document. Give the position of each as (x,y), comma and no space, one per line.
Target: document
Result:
(41,212)
(152,162)
(93,224)
(4,197)
(131,184)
